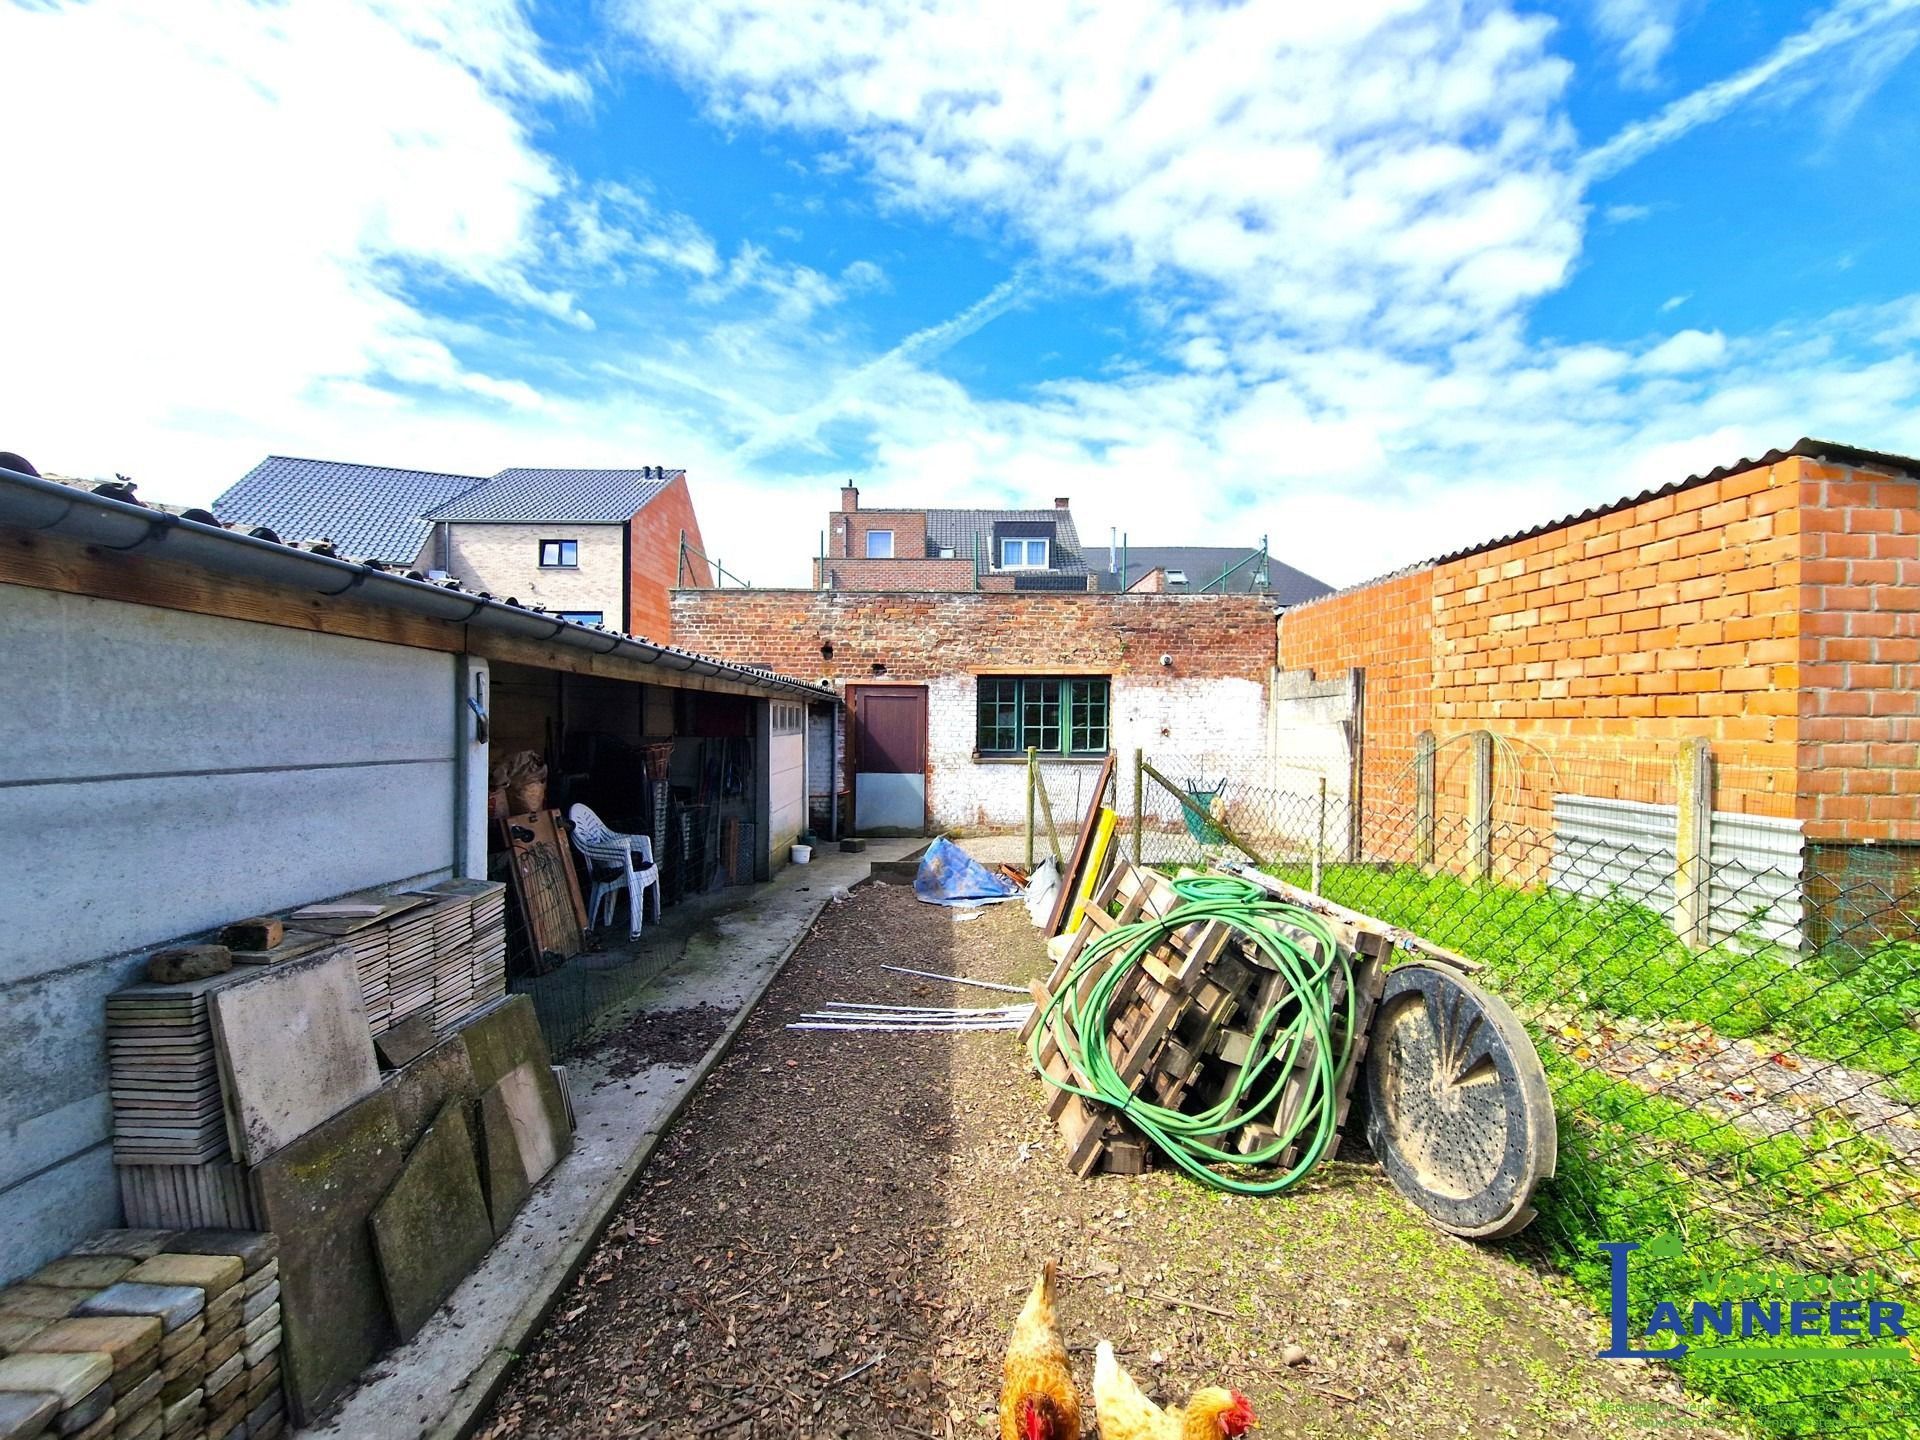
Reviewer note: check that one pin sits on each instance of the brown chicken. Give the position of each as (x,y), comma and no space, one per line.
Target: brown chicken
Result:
(1126,1414)
(1038,1400)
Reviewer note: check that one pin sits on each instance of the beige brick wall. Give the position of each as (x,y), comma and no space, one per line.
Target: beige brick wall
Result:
(504,560)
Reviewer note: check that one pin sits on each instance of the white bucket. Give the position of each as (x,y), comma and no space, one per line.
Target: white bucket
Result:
(802,854)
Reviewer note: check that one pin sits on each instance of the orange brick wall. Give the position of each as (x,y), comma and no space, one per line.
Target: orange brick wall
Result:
(1859,651)
(1772,611)
(654,559)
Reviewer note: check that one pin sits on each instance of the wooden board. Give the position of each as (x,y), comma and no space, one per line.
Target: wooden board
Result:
(1070,878)
(544,885)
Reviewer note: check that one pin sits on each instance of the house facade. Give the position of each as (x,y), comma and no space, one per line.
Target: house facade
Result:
(949,550)
(597,547)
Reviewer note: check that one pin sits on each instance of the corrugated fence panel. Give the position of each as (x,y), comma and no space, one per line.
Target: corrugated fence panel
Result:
(1604,847)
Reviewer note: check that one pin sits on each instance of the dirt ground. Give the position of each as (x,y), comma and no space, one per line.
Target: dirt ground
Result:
(836,1236)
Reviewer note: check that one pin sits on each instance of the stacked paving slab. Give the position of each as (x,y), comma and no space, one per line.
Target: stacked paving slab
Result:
(146,1335)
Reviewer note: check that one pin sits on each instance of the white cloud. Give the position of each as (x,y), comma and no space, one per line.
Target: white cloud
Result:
(1640,33)
(1674,302)
(1397,165)
(1688,351)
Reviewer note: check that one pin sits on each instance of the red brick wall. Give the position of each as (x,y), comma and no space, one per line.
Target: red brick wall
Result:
(847,532)
(654,542)
(921,636)
(1770,611)
(1859,653)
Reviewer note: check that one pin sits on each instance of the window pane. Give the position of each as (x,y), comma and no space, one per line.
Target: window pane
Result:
(1037,553)
(1040,715)
(999,715)
(1088,719)
(879,544)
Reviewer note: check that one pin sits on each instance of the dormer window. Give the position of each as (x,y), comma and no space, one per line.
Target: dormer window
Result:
(1023,554)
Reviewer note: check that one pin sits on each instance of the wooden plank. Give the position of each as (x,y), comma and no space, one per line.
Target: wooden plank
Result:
(1070,878)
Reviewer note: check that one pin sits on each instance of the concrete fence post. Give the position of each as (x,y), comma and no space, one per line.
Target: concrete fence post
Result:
(1480,806)
(1139,799)
(1033,765)
(1425,797)
(1693,842)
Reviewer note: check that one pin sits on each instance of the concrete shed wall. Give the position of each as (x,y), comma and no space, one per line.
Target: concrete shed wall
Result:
(162,773)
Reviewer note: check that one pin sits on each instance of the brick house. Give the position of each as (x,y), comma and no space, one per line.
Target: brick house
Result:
(1198,569)
(1770,607)
(600,547)
(891,549)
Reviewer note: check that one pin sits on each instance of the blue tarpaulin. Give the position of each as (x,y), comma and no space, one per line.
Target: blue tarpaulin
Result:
(950,876)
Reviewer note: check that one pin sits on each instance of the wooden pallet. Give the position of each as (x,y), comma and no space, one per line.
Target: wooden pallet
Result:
(1182,1024)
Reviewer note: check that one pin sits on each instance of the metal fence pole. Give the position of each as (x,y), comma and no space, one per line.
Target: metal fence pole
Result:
(1693,842)
(1480,807)
(1320,840)
(1139,799)
(1033,765)
(1426,808)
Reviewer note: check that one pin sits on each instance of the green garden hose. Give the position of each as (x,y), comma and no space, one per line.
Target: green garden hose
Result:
(1269,925)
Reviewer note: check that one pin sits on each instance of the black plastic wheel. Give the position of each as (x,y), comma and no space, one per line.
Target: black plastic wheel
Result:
(1458,1111)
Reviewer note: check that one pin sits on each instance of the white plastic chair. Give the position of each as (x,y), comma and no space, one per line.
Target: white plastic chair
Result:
(615,862)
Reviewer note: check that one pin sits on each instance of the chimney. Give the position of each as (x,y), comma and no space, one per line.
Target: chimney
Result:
(1113,552)
(849,498)
(1059,502)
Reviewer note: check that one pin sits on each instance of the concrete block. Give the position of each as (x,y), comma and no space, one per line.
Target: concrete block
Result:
(145,1393)
(182,1413)
(255,1305)
(221,1376)
(71,1377)
(265,1323)
(294,1051)
(405,1042)
(176,1371)
(267,1274)
(256,1249)
(317,1195)
(25,1414)
(263,1347)
(431,1229)
(173,1305)
(425,1085)
(194,1332)
(17,1330)
(228,1344)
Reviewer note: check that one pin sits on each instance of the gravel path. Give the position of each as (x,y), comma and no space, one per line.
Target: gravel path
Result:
(836,1236)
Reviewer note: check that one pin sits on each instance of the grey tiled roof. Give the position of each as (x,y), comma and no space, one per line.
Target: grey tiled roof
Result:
(956,530)
(586,495)
(1204,563)
(370,511)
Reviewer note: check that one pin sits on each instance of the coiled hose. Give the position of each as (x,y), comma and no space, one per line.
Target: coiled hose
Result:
(1276,1045)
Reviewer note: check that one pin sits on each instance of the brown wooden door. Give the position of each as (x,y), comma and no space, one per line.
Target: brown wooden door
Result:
(890,758)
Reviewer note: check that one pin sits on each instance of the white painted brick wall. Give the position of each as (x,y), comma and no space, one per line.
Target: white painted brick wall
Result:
(1212,724)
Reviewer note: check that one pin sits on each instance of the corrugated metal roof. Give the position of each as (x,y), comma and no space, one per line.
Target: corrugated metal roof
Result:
(371,510)
(957,530)
(591,496)
(1204,563)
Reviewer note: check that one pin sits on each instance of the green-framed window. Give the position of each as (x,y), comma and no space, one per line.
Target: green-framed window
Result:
(1054,715)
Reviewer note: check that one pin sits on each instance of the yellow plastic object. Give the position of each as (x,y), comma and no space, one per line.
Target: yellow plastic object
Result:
(1096,862)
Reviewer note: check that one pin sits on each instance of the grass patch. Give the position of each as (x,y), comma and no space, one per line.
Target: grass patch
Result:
(1857,1007)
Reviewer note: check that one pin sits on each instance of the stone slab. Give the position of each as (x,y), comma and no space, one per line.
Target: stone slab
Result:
(26,1413)
(503,1170)
(17,1330)
(218,1350)
(532,1120)
(133,1244)
(431,1228)
(183,1412)
(149,1431)
(87,1409)
(83,1272)
(317,1195)
(211,1273)
(187,1365)
(294,1051)
(256,1249)
(173,1305)
(141,1395)
(405,1042)
(221,1376)
(71,1377)
(267,1274)
(422,1088)
(124,1339)
(504,1037)
(262,1324)
(39,1302)
(263,1347)
(190,1334)
(102,1428)
(255,1305)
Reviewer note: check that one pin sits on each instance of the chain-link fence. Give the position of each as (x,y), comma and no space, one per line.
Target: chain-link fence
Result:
(1730,1021)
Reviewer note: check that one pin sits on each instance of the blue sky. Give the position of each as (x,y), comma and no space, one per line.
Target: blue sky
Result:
(1373,282)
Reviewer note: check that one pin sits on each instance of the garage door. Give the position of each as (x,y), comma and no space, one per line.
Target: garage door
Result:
(787,776)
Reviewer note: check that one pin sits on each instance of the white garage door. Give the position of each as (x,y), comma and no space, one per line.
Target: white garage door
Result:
(787,776)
